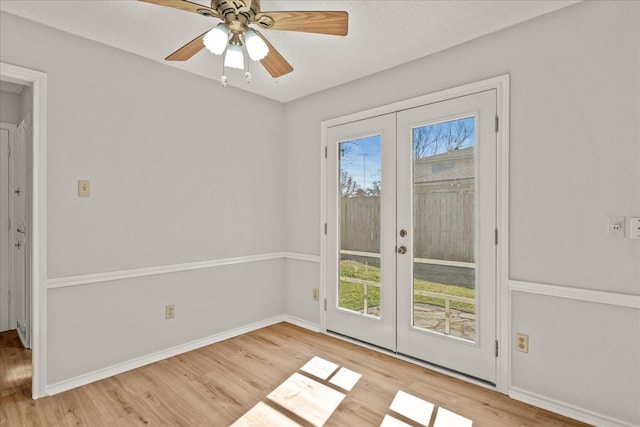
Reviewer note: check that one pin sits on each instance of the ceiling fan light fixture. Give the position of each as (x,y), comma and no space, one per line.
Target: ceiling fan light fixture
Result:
(256,47)
(217,39)
(234,57)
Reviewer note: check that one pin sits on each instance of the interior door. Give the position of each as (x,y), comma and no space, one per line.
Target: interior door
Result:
(361,269)
(4,231)
(446,194)
(19,228)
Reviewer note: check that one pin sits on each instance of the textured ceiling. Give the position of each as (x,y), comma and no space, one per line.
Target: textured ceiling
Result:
(382,34)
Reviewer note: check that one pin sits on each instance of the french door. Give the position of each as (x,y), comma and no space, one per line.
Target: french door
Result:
(411,255)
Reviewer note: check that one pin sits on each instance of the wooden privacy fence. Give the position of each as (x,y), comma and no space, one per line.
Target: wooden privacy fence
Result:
(443,225)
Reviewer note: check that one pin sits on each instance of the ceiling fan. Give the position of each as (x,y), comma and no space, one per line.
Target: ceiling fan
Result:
(234,31)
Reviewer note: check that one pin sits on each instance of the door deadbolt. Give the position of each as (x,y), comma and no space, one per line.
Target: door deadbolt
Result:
(402,250)
(403,233)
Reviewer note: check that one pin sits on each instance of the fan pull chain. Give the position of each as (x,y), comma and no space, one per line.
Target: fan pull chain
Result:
(247,74)
(223,79)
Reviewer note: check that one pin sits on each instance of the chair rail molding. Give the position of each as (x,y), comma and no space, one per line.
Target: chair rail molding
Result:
(588,295)
(86,279)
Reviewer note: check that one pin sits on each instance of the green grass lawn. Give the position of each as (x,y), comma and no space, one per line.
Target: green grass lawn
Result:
(352,294)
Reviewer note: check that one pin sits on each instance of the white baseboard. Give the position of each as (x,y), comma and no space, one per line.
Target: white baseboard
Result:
(156,357)
(302,323)
(566,409)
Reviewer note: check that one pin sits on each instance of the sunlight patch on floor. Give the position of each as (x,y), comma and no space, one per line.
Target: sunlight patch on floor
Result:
(318,367)
(311,400)
(445,418)
(412,407)
(390,421)
(266,416)
(345,379)
(307,398)
(301,399)
(421,411)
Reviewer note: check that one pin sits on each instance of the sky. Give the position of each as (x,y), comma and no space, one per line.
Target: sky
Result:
(361,159)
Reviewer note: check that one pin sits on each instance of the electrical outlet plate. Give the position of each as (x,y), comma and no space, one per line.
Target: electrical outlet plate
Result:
(316,294)
(634,228)
(169,311)
(522,343)
(616,226)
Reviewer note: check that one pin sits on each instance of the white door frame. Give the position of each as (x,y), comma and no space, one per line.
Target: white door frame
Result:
(7,262)
(38,82)
(503,302)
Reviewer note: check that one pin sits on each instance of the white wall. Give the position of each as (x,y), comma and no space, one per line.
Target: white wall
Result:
(178,174)
(9,107)
(575,159)
(168,188)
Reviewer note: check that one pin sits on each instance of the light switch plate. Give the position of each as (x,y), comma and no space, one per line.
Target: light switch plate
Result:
(84,188)
(616,226)
(634,228)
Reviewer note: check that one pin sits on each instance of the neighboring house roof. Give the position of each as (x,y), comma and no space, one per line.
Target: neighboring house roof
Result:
(455,174)
(453,165)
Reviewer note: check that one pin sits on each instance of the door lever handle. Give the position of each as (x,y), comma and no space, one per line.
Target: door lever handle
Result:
(21,230)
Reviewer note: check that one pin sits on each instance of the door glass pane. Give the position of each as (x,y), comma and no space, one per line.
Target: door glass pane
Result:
(444,299)
(359,225)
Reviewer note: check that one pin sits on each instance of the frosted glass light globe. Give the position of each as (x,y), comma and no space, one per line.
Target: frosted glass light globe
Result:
(256,47)
(216,40)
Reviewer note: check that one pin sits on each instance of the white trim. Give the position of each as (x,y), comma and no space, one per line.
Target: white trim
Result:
(38,82)
(414,361)
(85,279)
(588,295)
(503,301)
(302,323)
(302,257)
(503,296)
(324,165)
(138,362)
(566,409)
(499,82)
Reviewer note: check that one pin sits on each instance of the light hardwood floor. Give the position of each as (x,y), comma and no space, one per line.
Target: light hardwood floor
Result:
(217,384)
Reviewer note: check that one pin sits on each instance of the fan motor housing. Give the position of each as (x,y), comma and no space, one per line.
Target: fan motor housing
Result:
(247,9)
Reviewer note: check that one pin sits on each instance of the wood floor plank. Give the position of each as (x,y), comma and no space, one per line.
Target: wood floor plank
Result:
(216,385)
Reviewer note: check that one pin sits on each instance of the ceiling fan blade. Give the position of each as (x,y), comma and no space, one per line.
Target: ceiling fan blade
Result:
(188,50)
(321,22)
(186,5)
(274,63)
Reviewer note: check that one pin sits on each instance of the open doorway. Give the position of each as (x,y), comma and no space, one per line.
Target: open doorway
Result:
(15,209)
(15,242)
(25,241)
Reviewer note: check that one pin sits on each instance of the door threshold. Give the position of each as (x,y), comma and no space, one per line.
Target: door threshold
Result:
(419,362)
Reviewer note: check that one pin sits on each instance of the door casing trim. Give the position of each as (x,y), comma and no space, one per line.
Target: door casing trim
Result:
(503,300)
(38,82)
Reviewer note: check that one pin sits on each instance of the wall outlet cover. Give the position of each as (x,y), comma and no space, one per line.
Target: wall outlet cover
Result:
(522,343)
(616,226)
